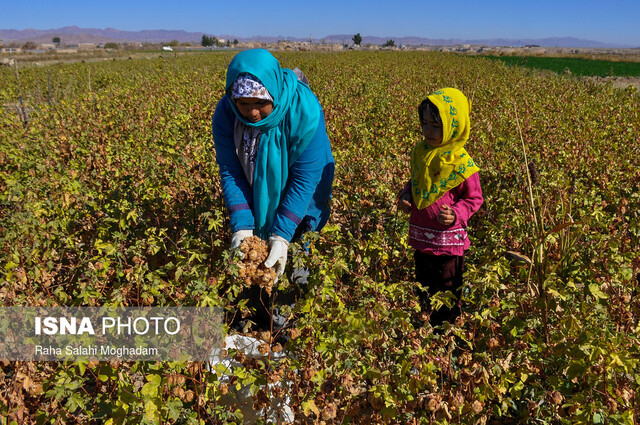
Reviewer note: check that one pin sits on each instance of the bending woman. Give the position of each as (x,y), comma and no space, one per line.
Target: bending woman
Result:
(274,154)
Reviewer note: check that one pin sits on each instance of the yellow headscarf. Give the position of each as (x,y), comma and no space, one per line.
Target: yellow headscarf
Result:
(435,170)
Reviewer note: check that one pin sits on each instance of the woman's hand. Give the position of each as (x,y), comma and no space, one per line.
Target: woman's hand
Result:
(277,254)
(236,240)
(404,203)
(446,216)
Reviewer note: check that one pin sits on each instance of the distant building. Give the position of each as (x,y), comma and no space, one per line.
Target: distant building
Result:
(167,48)
(48,46)
(86,46)
(196,48)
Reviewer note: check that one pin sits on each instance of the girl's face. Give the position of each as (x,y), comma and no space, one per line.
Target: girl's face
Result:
(253,109)
(431,130)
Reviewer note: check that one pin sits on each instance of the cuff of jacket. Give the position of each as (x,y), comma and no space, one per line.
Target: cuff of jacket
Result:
(459,220)
(241,217)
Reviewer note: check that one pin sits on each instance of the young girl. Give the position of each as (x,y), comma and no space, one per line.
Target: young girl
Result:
(443,193)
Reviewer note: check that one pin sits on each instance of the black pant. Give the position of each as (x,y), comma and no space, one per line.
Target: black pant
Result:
(267,307)
(440,273)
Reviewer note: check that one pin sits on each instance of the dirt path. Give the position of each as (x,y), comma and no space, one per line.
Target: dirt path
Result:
(619,82)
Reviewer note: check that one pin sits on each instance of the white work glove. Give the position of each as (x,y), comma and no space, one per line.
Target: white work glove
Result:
(237,238)
(277,254)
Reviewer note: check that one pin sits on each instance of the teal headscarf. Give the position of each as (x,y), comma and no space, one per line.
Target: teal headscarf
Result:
(286,132)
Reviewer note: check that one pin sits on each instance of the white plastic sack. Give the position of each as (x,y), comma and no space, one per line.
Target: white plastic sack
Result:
(279,411)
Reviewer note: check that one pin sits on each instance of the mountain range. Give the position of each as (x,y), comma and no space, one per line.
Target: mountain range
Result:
(74,35)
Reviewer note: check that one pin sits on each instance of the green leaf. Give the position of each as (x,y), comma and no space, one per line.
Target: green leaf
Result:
(598,418)
(576,369)
(150,389)
(310,406)
(174,407)
(373,373)
(594,288)
(151,409)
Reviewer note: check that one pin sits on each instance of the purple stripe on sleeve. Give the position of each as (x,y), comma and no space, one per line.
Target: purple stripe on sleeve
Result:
(238,207)
(291,216)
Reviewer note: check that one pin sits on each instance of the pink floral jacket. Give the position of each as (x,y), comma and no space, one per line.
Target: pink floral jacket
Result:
(427,235)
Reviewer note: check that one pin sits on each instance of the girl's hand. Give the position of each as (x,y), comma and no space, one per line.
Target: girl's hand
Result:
(446,216)
(404,203)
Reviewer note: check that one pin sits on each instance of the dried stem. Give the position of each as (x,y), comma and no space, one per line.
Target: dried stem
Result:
(537,258)
(526,162)
(530,190)
(23,114)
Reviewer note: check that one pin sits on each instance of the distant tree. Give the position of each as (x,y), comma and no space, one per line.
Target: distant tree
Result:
(29,45)
(389,43)
(357,39)
(173,43)
(111,46)
(235,41)
(228,43)
(56,40)
(209,41)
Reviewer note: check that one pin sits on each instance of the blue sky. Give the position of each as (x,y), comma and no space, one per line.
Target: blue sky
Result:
(608,21)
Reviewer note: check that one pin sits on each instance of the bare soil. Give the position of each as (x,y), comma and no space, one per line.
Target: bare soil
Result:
(619,82)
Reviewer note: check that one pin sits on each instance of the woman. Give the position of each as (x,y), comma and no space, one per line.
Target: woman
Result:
(274,154)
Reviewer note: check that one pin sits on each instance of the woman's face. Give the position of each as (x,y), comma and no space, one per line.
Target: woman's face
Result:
(253,109)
